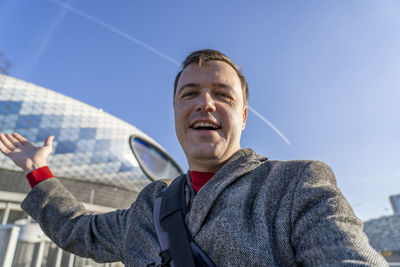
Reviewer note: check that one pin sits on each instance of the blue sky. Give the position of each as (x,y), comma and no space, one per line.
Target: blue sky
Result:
(325,73)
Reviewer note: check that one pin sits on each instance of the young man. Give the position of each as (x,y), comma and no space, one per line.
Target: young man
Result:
(242,209)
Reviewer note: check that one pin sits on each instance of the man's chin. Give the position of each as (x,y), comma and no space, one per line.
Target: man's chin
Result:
(205,152)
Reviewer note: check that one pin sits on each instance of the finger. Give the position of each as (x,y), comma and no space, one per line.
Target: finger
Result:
(6,143)
(20,138)
(3,149)
(49,141)
(13,140)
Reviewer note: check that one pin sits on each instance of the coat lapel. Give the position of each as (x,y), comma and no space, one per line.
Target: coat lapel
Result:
(241,162)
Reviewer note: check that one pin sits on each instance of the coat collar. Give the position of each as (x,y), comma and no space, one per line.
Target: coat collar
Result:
(243,161)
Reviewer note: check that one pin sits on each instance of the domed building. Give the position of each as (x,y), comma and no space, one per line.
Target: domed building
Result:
(102,160)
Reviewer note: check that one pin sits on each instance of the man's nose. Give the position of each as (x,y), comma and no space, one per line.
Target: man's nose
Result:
(206,102)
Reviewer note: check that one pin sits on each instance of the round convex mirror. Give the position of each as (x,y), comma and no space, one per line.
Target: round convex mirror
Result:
(155,163)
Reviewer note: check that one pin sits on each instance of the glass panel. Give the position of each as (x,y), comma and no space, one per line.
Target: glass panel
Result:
(155,163)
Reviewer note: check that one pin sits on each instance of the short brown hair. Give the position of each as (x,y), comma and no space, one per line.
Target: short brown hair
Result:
(202,57)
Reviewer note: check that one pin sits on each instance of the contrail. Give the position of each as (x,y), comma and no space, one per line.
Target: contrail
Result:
(115,30)
(152,49)
(269,124)
(46,41)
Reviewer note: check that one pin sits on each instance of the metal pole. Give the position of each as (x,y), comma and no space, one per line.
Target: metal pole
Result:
(39,256)
(6,213)
(12,244)
(71,260)
(59,257)
(91,199)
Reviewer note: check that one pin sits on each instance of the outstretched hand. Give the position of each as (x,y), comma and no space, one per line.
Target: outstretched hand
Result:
(25,155)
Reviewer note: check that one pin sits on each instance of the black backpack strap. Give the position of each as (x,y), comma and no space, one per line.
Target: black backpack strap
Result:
(161,235)
(200,257)
(170,210)
(177,247)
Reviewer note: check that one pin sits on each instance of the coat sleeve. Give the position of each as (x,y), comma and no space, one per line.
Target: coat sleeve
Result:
(73,228)
(325,231)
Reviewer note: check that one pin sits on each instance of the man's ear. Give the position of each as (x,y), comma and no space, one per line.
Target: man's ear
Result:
(244,117)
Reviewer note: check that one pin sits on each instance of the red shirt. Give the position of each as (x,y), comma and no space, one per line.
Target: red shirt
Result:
(199,179)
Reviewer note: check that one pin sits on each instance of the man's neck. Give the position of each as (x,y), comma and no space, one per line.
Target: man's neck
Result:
(204,167)
(210,165)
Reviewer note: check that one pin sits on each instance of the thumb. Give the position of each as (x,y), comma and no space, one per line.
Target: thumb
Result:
(49,141)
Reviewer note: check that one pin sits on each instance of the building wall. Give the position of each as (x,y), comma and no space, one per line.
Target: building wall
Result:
(85,191)
(395,201)
(384,236)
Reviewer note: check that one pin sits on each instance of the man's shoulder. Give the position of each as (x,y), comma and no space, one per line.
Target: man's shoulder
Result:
(295,171)
(151,191)
(155,186)
(296,165)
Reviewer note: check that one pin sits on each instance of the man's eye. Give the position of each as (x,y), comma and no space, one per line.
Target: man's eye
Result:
(188,94)
(223,95)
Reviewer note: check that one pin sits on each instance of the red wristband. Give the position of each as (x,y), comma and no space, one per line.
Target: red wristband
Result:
(38,175)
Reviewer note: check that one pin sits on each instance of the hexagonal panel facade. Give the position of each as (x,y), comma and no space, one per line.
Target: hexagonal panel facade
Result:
(90,145)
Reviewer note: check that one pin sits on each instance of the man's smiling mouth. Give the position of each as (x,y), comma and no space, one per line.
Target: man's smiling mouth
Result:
(205,126)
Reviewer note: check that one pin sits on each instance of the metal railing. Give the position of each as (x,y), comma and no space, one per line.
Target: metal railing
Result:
(19,249)
(8,244)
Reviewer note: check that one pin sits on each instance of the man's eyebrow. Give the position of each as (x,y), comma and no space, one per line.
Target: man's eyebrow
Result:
(221,85)
(187,85)
(196,85)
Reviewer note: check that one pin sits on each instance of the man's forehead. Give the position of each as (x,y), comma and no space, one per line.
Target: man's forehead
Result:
(212,71)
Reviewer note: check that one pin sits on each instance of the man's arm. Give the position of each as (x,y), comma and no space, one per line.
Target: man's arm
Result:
(72,227)
(325,230)
(59,214)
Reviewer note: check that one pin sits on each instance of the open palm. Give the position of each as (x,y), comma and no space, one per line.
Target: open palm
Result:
(23,153)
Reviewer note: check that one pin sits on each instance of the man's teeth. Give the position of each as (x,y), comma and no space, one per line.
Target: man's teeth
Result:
(198,125)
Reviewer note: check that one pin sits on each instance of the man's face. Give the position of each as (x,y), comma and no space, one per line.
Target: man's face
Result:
(209,114)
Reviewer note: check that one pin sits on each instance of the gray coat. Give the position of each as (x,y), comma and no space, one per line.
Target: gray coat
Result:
(253,212)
